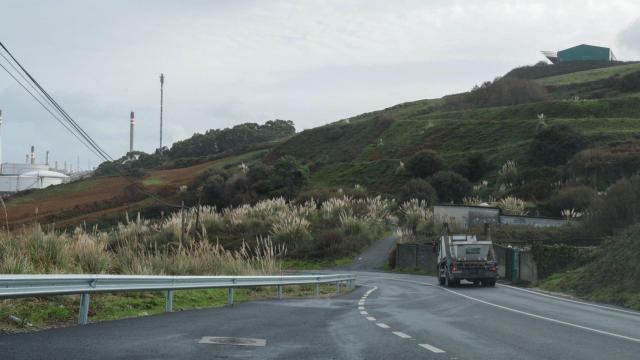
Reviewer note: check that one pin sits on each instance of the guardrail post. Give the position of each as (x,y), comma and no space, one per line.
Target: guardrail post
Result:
(317,289)
(279,291)
(168,305)
(83,317)
(337,287)
(230,296)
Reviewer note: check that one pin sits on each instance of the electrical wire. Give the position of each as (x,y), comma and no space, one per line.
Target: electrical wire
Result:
(79,132)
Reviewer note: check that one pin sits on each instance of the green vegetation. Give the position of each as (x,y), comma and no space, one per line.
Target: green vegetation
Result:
(613,276)
(590,75)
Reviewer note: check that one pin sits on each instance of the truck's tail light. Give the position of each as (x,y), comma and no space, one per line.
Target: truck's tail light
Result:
(454,267)
(493,268)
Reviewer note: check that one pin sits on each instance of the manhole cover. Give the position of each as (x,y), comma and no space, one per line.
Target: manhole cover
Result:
(222,340)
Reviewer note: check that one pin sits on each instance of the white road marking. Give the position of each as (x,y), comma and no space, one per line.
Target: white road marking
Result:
(364,313)
(544,317)
(223,340)
(371,318)
(360,307)
(432,348)
(401,334)
(383,325)
(570,300)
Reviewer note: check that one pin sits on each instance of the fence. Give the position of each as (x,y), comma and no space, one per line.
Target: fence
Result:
(514,264)
(14,286)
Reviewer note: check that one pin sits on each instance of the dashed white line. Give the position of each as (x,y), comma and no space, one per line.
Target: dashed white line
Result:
(360,307)
(364,313)
(371,318)
(401,334)
(432,348)
(383,325)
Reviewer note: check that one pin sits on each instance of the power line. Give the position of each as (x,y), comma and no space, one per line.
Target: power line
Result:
(64,114)
(79,133)
(47,109)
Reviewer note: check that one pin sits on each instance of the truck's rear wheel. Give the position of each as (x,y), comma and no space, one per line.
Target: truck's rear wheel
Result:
(440,280)
(489,283)
(447,282)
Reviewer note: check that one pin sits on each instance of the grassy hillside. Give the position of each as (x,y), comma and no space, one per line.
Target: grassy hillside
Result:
(591,75)
(612,277)
(371,149)
(103,197)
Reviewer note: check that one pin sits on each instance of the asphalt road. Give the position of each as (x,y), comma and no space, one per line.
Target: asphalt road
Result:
(389,316)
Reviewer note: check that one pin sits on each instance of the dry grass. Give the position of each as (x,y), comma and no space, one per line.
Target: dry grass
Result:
(189,242)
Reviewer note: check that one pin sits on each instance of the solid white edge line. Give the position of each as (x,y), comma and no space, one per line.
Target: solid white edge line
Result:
(371,318)
(383,325)
(401,334)
(545,318)
(571,300)
(432,348)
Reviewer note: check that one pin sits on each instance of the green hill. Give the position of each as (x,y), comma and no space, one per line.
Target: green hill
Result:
(499,120)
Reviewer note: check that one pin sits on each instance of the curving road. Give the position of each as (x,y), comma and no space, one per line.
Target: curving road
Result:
(389,316)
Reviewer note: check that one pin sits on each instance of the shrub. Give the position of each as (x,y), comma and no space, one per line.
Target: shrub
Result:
(474,167)
(417,217)
(604,165)
(417,189)
(289,175)
(575,197)
(450,186)
(424,164)
(555,145)
(511,205)
(617,209)
(501,92)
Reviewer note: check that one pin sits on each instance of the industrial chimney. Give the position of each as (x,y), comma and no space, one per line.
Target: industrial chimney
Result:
(133,121)
(46,161)
(33,155)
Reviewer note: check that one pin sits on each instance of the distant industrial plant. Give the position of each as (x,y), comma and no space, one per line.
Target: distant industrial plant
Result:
(16,177)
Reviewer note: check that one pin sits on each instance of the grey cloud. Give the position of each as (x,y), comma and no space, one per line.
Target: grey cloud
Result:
(630,36)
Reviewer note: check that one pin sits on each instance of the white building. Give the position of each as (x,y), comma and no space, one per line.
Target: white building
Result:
(16,177)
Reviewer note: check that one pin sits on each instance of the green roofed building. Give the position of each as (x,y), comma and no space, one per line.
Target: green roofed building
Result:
(580,52)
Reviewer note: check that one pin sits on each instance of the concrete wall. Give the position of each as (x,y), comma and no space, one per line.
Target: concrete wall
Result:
(501,257)
(466,216)
(416,256)
(528,268)
(531,220)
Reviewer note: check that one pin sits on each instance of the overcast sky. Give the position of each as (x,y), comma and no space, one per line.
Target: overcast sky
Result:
(228,62)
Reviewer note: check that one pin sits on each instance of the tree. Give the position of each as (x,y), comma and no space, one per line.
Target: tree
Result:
(450,186)
(555,145)
(474,167)
(259,179)
(424,164)
(417,189)
(289,175)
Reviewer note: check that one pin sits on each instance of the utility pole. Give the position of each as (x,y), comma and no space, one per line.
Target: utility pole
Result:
(131,124)
(161,105)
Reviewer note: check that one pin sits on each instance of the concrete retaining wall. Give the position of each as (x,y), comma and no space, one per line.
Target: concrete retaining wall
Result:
(419,256)
(416,256)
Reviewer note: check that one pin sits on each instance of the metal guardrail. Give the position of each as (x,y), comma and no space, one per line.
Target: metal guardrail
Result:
(15,286)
